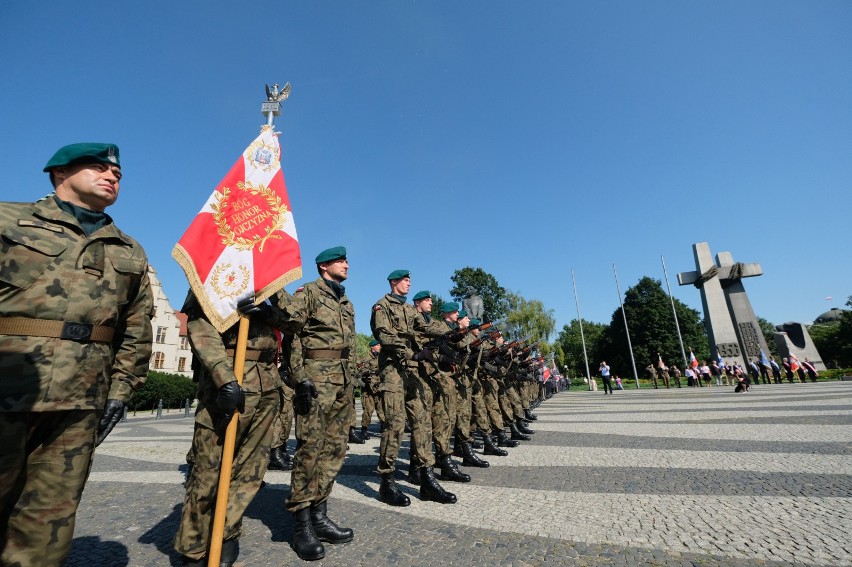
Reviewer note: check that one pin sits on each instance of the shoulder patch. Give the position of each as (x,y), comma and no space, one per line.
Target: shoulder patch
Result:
(300,289)
(377,307)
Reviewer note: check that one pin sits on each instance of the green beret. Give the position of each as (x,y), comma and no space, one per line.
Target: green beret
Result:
(374,342)
(449,307)
(399,274)
(421,295)
(335,253)
(474,323)
(462,314)
(85,153)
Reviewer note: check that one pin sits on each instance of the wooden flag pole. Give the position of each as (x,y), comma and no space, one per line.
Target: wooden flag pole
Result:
(220,513)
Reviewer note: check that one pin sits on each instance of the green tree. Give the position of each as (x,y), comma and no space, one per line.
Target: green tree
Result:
(827,342)
(768,330)
(652,330)
(173,389)
(529,319)
(494,296)
(570,341)
(362,345)
(844,337)
(437,302)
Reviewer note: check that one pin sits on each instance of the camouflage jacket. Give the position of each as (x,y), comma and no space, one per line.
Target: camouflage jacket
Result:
(213,353)
(394,324)
(369,370)
(322,322)
(49,269)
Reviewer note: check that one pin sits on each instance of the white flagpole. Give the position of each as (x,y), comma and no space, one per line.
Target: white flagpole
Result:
(677,324)
(626,329)
(582,336)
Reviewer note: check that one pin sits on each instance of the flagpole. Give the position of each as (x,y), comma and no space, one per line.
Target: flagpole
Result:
(626,330)
(271,108)
(582,336)
(677,324)
(221,510)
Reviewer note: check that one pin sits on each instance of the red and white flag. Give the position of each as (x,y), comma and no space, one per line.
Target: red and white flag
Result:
(243,241)
(693,362)
(794,362)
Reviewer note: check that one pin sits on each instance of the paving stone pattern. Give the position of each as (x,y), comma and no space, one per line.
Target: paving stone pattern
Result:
(651,477)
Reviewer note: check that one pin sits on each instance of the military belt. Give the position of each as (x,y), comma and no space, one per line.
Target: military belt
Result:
(66,330)
(257,355)
(326,353)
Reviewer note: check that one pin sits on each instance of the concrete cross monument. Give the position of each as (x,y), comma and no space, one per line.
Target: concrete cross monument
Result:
(732,327)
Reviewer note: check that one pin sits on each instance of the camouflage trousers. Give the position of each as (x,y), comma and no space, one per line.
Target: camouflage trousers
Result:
(45,458)
(504,398)
(418,407)
(370,403)
(490,391)
(393,405)
(444,410)
(514,394)
(464,408)
(321,438)
(251,456)
(479,415)
(283,422)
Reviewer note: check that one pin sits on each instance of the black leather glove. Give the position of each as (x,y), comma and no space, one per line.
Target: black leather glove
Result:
(423,355)
(262,311)
(230,397)
(306,392)
(456,337)
(113,412)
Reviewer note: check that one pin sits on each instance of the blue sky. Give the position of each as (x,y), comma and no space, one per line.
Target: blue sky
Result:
(525,138)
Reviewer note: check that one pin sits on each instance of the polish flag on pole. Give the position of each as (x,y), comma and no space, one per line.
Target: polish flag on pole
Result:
(243,242)
(693,362)
(794,362)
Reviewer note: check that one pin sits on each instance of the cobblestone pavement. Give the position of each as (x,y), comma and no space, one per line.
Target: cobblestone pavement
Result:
(651,477)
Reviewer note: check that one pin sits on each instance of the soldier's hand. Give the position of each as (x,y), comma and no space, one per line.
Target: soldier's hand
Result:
(423,355)
(113,411)
(306,392)
(456,337)
(231,397)
(262,311)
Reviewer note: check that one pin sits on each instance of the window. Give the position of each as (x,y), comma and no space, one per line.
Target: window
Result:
(184,343)
(182,364)
(161,335)
(158,359)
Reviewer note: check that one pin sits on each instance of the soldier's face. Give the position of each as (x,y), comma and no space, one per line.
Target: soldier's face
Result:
(401,286)
(424,305)
(93,186)
(452,317)
(376,348)
(464,322)
(337,270)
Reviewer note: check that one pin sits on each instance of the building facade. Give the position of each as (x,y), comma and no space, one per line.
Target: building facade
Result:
(171,352)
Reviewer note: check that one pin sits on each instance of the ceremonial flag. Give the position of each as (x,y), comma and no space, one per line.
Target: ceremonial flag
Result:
(828,298)
(693,362)
(660,363)
(243,241)
(763,359)
(794,362)
(719,360)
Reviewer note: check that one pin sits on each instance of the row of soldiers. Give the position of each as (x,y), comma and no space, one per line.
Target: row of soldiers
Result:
(447,378)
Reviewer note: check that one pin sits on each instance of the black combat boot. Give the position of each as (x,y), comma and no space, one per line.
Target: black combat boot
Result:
(187,562)
(457,447)
(474,443)
(430,490)
(516,434)
(414,475)
(365,433)
(504,441)
(327,530)
(522,427)
(277,462)
(305,542)
(490,448)
(354,437)
(471,459)
(389,492)
(230,552)
(530,415)
(450,471)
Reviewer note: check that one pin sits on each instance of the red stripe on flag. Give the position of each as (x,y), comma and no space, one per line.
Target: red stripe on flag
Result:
(279,256)
(201,246)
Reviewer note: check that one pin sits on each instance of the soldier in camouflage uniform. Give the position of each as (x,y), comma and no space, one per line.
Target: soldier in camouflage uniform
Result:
(75,340)
(279,459)
(370,395)
(401,330)
(258,401)
(438,382)
(465,392)
(324,372)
